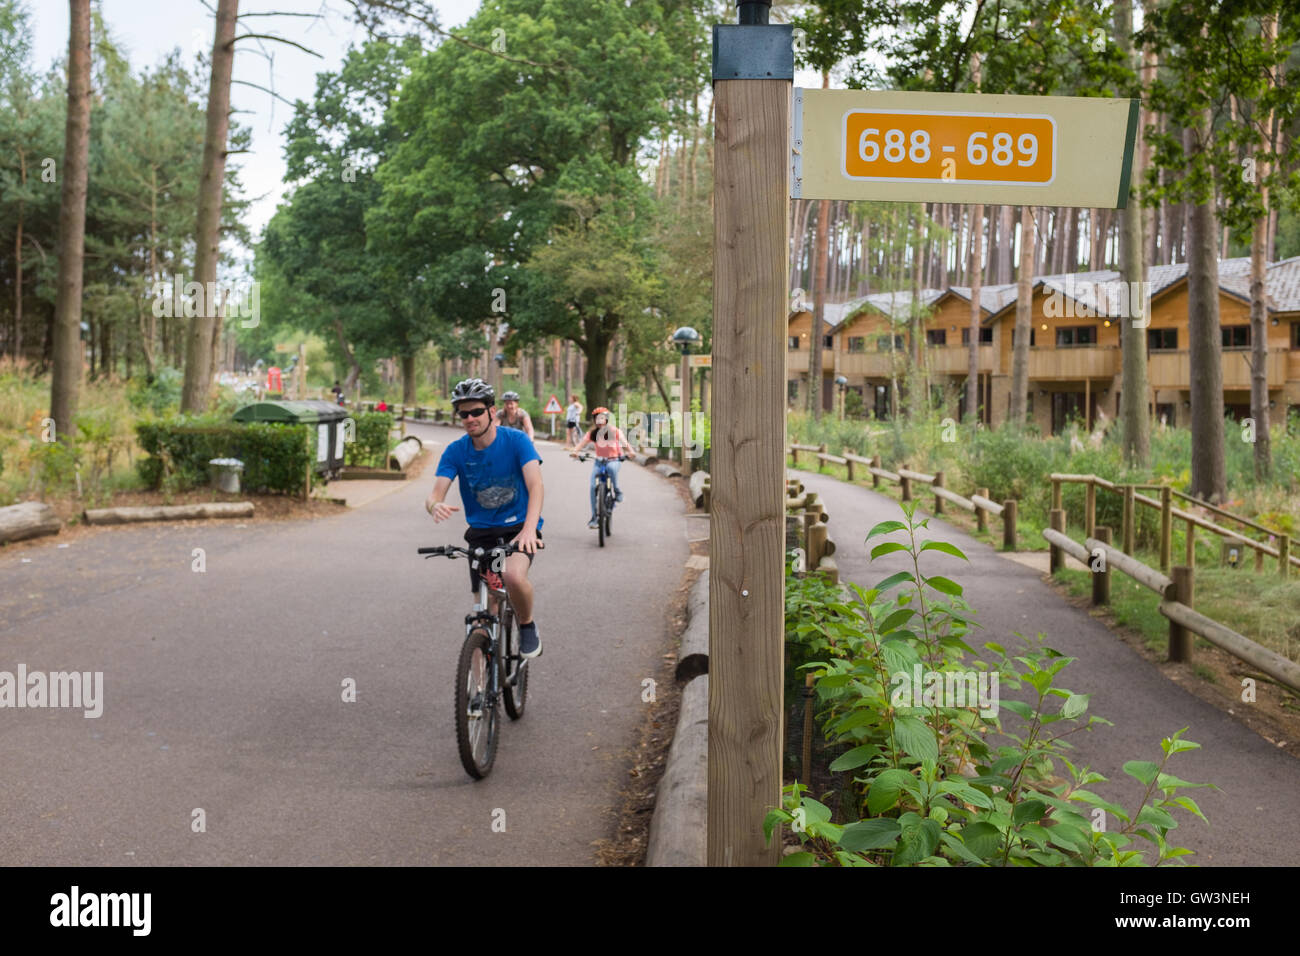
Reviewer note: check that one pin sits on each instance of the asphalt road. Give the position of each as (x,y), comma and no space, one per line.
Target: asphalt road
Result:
(223,690)
(1254,816)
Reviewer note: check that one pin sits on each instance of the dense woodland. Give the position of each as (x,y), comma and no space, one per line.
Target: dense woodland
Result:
(543,174)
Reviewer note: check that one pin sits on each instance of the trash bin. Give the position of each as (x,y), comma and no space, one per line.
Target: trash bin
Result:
(226,474)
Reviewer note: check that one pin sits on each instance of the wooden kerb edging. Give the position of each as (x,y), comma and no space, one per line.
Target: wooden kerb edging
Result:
(1271,663)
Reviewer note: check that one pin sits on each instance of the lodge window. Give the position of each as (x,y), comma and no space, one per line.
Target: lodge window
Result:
(1295,335)
(828,342)
(882,343)
(1073,336)
(1159,340)
(1236,336)
(936,337)
(793,342)
(857,343)
(986,336)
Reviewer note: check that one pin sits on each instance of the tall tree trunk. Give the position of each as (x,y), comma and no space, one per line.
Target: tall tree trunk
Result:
(198,351)
(819,309)
(1020,340)
(1006,233)
(409,383)
(943,245)
(65,386)
(16,342)
(1258,306)
(1136,420)
(1205,345)
(920,388)
(977,274)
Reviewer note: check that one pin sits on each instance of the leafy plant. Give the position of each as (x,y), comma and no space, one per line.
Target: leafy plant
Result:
(939,779)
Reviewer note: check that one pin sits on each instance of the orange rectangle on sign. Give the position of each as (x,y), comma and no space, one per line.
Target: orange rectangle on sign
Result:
(920,146)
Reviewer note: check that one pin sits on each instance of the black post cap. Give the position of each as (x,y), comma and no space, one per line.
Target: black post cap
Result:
(753,12)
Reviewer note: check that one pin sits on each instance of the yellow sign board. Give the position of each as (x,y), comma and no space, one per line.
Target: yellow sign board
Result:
(962,147)
(507,370)
(699,361)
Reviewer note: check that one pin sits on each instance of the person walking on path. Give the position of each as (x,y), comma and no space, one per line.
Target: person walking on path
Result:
(572,416)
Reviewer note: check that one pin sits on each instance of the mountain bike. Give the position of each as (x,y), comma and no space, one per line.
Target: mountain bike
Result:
(490,670)
(604,495)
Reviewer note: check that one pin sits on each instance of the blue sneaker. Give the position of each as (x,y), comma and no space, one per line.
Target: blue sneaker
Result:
(530,644)
(592,523)
(618,498)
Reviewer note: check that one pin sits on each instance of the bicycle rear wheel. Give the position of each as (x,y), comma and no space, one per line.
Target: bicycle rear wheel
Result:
(515,668)
(477,724)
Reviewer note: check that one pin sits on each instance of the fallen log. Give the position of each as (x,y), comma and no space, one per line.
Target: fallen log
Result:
(668,471)
(405,453)
(27,519)
(679,828)
(213,509)
(698,480)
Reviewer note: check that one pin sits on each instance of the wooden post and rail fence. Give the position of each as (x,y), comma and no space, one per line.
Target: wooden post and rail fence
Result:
(979,503)
(1131,498)
(1176,600)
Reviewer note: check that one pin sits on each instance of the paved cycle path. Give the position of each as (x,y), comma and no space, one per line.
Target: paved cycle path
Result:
(1254,817)
(223,690)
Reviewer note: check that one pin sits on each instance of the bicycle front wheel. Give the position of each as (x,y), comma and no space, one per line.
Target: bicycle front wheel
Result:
(477,726)
(602,514)
(515,669)
(609,512)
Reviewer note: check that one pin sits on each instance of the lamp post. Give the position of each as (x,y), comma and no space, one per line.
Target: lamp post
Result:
(684,338)
(501,361)
(841,381)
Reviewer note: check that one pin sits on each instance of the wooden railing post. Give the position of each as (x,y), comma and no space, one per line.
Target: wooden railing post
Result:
(982,516)
(1056,493)
(1190,550)
(1166,527)
(875,479)
(1180,639)
(821,462)
(905,481)
(1128,529)
(1090,509)
(1009,524)
(1056,559)
(1284,554)
(1101,569)
(849,462)
(938,483)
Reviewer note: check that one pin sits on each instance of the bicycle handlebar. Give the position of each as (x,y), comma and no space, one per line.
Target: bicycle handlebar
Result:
(454,551)
(586,455)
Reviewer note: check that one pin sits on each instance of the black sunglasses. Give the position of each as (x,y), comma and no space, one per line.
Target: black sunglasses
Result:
(471,413)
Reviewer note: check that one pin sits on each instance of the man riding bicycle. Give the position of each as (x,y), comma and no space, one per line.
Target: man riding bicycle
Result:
(500,476)
(609,443)
(512,416)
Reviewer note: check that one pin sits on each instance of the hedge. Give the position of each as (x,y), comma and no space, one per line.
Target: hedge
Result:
(370,443)
(276,457)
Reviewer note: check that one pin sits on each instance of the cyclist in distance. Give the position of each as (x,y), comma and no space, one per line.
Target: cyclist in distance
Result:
(512,416)
(609,443)
(500,476)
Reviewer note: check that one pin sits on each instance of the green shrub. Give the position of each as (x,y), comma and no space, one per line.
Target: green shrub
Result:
(939,780)
(369,446)
(159,393)
(275,457)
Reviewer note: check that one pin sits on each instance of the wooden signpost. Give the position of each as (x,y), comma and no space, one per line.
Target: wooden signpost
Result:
(902,147)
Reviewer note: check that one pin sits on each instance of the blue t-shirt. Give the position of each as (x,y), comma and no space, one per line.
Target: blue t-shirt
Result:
(492,485)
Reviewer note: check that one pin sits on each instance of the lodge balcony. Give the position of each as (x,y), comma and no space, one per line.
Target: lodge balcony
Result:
(1066,364)
(1172,369)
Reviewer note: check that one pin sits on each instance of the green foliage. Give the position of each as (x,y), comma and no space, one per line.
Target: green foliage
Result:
(939,778)
(159,394)
(275,457)
(370,446)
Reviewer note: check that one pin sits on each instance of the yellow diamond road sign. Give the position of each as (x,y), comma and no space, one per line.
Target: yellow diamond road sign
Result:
(962,147)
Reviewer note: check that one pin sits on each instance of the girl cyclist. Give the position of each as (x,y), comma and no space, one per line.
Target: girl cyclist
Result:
(609,443)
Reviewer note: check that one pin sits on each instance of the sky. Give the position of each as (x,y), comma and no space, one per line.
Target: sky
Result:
(146,30)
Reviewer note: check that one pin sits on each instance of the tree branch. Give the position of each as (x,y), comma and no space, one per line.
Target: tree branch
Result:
(268,36)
